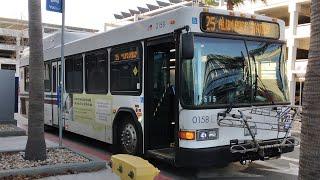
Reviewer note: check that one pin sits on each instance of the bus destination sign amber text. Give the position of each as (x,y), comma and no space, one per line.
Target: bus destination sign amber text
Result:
(127,55)
(213,23)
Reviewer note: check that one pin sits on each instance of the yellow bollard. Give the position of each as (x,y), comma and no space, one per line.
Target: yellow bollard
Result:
(130,167)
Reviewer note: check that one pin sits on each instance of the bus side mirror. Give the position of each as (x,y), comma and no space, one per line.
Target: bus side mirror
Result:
(187,46)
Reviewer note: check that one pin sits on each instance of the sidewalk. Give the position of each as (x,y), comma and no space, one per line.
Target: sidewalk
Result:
(22,122)
(296,129)
(99,175)
(18,143)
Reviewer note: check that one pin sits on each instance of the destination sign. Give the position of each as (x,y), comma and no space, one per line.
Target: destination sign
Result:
(214,23)
(131,54)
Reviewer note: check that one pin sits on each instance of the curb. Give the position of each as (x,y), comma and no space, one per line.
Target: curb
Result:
(93,165)
(13,121)
(16,132)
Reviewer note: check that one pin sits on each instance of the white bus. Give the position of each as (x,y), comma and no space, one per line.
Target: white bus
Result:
(194,86)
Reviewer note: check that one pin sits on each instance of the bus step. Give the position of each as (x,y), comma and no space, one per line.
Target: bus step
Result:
(165,154)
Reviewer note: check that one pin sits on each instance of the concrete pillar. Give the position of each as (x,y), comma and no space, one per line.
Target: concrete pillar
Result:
(136,17)
(221,3)
(18,49)
(294,9)
(292,54)
(300,95)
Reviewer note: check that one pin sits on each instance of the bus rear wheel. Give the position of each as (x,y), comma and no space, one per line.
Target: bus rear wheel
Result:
(128,137)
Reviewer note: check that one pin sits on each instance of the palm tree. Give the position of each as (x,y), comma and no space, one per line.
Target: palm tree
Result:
(232,3)
(310,130)
(211,2)
(36,146)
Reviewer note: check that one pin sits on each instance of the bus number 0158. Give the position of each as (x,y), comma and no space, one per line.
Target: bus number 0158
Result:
(201,119)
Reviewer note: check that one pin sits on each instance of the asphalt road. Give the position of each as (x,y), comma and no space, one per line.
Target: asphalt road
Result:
(284,168)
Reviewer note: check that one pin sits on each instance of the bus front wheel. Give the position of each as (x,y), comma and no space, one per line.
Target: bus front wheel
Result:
(129,140)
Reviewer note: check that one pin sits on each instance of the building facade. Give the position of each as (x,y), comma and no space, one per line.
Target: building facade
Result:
(14,39)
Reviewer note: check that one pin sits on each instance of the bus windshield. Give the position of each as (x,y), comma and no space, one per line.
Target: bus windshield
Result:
(237,72)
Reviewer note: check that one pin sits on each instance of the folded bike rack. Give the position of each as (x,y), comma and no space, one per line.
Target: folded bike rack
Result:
(285,116)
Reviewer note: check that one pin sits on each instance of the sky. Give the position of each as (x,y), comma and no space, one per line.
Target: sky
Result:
(80,13)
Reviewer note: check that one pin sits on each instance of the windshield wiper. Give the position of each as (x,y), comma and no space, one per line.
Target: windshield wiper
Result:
(256,83)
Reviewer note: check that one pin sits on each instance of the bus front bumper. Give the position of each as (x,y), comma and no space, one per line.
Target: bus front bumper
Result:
(222,156)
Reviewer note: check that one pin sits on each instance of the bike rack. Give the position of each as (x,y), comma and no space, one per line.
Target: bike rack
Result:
(285,116)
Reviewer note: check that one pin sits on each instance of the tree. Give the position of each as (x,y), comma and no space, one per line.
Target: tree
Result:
(310,129)
(211,2)
(232,3)
(36,146)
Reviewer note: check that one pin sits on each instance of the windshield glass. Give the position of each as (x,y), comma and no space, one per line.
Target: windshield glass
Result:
(223,73)
(268,70)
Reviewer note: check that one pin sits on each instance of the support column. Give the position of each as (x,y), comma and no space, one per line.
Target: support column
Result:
(300,95)
(221,3)
(292,55)
(18,54)
(292,47)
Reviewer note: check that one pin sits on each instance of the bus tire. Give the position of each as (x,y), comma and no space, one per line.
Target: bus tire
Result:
(129,137)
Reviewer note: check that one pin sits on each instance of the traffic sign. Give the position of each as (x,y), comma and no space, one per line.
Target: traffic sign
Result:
(54,5)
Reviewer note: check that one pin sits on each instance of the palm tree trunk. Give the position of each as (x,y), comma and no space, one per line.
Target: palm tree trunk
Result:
(310,130)
(36,146)
(230,5)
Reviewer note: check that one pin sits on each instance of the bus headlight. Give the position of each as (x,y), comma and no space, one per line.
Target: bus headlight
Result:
(207,134)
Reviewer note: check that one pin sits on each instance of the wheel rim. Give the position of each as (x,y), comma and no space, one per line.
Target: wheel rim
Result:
(129,138)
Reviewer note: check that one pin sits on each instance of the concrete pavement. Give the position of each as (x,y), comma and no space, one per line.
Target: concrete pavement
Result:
(16,143)
(99,175)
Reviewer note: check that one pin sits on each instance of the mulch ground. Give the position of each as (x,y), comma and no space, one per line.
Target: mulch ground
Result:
(15,160)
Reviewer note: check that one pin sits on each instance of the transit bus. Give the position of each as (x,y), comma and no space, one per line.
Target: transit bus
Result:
(194,86)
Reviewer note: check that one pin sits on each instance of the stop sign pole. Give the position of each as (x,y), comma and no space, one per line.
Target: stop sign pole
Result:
(59,6)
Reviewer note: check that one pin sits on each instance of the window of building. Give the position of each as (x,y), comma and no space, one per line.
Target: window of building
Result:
(304,19)
(74,73)
(8,53)
(26,78)
(24,41)
(8,40)
(125,65)
(299,93)
(96,72)
(8,66)
(302,54)
(47,78)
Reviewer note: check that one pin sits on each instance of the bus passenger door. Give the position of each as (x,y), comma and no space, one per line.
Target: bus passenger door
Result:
(48,99)
(160,92)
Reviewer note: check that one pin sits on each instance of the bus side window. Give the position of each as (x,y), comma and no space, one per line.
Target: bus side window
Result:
(96,72)
(74,73)
(125,67)
(54,78)
(47,78)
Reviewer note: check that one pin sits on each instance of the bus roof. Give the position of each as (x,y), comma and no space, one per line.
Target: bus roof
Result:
(151,27)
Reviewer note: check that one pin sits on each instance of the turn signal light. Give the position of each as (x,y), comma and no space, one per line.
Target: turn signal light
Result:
(187,135)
